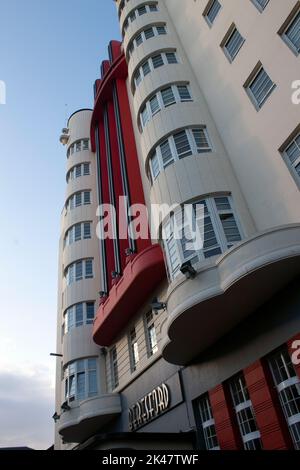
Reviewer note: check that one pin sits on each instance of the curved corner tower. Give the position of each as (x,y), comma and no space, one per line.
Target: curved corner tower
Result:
(82,404)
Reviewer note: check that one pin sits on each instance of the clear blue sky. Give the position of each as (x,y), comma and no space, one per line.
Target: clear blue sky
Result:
(50,55)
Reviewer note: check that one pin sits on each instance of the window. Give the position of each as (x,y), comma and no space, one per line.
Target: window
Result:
(180,145)
(208,424)
(78,147)
(157,61)
(287,384)
(77,199)
(214,222)
(133,350)
(290,31)
(245,413)
(260,4)
(81,379)
(154,167)
(259,87)
(79,270)
(232,43)
(78,232)
(151,338)
(147,8)
(211,11)
(291,155)
(153,63)
(114,367)
(162,99)
(142,10)
(78,315)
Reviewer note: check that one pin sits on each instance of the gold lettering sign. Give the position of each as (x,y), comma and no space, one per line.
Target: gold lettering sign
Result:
(151,405)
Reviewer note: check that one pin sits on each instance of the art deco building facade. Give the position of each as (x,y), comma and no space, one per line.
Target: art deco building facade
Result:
(195,106)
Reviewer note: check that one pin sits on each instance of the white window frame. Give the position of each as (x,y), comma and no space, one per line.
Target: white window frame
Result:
(141,34)
(252,97)
(158,94)
(229,37)
(207,423)
(71,175)
(71,201)
(214,214)
(72,370)
(71,312)
(285,37)
(70,271)
(74,147)
(207,10)
(246,404)
(149,325)
(175,157)
(128,19)
(69,237)
(133,347)
(292,166)
(114,367)
(139,70)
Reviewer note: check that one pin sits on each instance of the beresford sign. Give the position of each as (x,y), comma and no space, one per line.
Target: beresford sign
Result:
(149,407)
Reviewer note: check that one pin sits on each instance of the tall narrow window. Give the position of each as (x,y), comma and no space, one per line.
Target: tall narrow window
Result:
(211,11)
(81,379)
(291,155)
(208,424)
(168,96)
(287,384)
(245,413)
(182,144)
(114,367)
(166,153)
(151,334)
(133,350)
(291,31)
(157,61)
(233,43)
(259,87)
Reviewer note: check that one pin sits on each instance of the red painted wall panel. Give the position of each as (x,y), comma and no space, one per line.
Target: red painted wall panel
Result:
(226,426)
(269,418)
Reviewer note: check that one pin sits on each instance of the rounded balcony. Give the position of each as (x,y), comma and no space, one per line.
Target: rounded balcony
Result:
(81,249)
(79,184)
(79,157)
(81,422)
(78,214)
(203,309)
(129,7)
(142,22)
(80,291)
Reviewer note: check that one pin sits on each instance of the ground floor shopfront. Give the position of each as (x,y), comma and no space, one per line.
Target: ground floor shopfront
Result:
(243,393)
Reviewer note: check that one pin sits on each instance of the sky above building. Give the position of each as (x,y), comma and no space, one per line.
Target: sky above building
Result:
(50,55)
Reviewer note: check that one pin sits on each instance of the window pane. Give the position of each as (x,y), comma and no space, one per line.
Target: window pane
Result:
(168,96)
(146,68)
(92,382)
(293,32)
(138,39)
(80,386)
(161,30)
(234,43)
(88,268)
(77,232)
(86,169)
(142,10)
(261,87)
(144,116)
(154,105)
(201,140)
(171,58)
(157,61)
(78,270)
(79,314)
(154,163)
(184,93)
(87,230)
(166,153)
(149,33)
(87,197)
(90,312)
(182,144)
(78,199)
(213,11)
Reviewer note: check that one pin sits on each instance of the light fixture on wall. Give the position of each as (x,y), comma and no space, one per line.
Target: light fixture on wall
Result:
(56,417)
(188,270)
(156,306)
(65,406)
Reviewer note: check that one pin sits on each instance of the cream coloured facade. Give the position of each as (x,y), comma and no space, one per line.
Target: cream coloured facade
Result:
(210,94)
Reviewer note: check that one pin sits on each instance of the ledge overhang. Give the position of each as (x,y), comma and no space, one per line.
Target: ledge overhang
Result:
(140,277)
(225,292)
(81,422)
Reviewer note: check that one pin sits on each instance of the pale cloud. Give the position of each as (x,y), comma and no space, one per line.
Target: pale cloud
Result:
(26,407)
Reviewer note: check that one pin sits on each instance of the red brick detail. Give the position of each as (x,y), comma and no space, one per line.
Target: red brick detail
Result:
(269,417)
(223,413)
(295,341)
